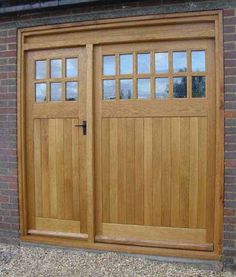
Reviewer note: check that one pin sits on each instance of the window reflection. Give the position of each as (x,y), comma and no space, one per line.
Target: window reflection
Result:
(180,61)
(161,62)
(56,91)
(109,65)
(40,70)
(126,88)
(56,68)
(180,87)
(109,90)
(144,88)
(71,91)
(198,61)
(71,67)
(162,88)
(143,63)
(126,64)
(198,86)
(40,92)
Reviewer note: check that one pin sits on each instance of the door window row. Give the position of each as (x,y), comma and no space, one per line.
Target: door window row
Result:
(140,63)
(55,90)
(161,88)
(54,68)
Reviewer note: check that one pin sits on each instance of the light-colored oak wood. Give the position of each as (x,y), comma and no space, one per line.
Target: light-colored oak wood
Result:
(169,148)
(153,233)
(89,141)
(53,240)
(52,224)
(145,163)
(56,151)
(59,234)
(155,243)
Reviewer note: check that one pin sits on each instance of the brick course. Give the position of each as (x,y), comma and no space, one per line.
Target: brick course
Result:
(230,137)
(9,218)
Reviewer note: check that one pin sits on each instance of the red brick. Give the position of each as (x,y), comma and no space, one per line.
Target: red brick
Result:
(230,163)
(229,29)
(11,53)
(4,199)
(230,12)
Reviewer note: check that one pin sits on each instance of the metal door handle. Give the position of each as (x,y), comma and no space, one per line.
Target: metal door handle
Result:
(84,126)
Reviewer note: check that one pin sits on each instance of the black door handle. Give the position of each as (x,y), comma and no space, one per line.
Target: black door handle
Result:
(84,126)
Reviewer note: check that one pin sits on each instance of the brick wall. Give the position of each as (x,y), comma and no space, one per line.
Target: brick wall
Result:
(9,220)
(230,136)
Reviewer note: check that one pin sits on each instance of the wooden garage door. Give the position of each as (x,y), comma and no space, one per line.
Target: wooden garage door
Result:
(55,97)
(155,144)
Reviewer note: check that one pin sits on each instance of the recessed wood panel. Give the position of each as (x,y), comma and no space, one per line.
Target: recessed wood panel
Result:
(57,167)
(160,180)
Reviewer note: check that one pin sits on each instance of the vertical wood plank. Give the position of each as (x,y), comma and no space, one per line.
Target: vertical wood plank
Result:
(113,158)
(202,172)
(130,173)
(122,170)
(148,190)
(193,184)
(52,168)
(106,170)
(90,142)
(166,173)
(157,170)
(98,140)
(60,168)
(38,167)
(184,172)
(68,169)
(139,171)
(45,168)
(217,50)
(175,172)
(75,169)
(83,200)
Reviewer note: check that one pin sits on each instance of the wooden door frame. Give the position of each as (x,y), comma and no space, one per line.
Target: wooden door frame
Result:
(28,40)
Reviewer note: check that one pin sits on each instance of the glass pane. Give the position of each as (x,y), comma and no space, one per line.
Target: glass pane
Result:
(72,67)
(56,69)
(180,87)
(126,64)
(109,65)
(180,61)
(161,62)
(198,61)
(144,88)
(109,89)
(55,92)
(198,86)
(40,70)
(162,88)
(71,91)
(40,92)
(126,88)
(143,63)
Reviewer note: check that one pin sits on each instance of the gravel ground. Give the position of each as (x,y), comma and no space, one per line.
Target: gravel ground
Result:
(28,261)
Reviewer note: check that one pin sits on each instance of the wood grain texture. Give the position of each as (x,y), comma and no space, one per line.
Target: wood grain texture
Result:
(165,188)
(58,194)
(161,151)
(160,163)
(56,152)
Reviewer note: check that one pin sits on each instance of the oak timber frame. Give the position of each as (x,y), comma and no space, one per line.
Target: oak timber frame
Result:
(32,39)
